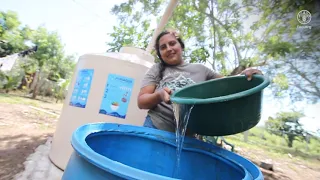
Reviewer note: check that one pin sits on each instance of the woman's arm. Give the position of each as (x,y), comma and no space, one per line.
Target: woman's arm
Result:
(217,76)
(148,98)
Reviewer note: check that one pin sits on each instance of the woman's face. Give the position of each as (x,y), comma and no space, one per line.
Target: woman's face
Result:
(170,49)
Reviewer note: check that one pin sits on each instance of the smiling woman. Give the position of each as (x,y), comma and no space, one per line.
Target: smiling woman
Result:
(171,74)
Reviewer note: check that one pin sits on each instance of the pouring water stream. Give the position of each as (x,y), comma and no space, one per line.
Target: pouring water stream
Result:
(181,116)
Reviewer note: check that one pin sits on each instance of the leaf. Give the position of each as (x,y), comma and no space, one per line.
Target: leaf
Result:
(282,81)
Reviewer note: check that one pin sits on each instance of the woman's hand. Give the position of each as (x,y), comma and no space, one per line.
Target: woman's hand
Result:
(249,72)
(165,95)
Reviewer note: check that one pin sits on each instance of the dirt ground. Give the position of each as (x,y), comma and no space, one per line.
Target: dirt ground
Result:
(284,168)
(23,129)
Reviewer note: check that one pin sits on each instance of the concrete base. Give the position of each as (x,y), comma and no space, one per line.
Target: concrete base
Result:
(38,165)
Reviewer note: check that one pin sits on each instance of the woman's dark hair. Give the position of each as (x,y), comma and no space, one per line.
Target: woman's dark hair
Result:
(157,46)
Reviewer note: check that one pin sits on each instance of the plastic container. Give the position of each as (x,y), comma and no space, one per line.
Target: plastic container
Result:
(223,106)
(104,88)
(114,151)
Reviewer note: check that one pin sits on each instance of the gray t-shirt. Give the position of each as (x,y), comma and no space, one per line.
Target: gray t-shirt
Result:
(175,78)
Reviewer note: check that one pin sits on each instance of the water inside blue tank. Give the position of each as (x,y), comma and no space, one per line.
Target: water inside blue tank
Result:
(159,157)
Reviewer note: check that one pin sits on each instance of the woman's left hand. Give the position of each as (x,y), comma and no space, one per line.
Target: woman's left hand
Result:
(249,72)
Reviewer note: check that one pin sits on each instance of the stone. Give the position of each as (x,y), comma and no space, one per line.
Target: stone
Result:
(267,164)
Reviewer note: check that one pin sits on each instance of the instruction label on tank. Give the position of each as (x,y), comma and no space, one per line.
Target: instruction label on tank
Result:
(116,96)
(81,88)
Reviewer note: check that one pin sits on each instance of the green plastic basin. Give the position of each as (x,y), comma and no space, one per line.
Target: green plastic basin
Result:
(223,106)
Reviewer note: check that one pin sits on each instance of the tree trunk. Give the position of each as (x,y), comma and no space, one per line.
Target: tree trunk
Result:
(23,82)
(290,140)
(34,80)
(35,90)
(245,136)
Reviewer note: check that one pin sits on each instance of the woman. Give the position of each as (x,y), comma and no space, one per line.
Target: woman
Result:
(171,74)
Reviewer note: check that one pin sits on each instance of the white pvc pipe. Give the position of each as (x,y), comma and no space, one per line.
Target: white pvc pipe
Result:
(165,18)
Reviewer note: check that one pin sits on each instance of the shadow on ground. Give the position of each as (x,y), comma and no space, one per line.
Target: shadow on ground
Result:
(14,151)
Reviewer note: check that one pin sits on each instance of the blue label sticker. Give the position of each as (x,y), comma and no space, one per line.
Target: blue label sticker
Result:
(81,88)
(116,96)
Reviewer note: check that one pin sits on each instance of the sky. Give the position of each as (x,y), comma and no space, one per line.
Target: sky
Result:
(83,26)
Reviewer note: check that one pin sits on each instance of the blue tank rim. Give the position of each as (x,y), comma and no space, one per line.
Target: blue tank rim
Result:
(79,144)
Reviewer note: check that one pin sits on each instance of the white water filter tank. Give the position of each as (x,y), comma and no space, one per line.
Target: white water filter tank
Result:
(104,88)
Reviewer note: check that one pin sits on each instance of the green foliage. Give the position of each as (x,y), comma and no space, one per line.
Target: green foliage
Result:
(50,60)
(314,146)
(277,49)
(49,45)
(11,80)
(262,139)
(261,135)
(275,146)
(286,123)
(212,29)
(295,50)
(199,55)
(28,65)
(123,36)
(60,90)
(282,82)
(11,37)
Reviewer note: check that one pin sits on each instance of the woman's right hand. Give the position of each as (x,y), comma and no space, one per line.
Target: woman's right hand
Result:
(148,98)
(165,95)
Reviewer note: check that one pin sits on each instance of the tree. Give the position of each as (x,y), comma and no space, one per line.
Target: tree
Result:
(286,123)
(215,33)
(192,19)
(123,36)
(12,40)
(48,63)
(295,50)
(12,36)
(49,57)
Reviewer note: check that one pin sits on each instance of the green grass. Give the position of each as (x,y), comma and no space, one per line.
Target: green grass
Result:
(276,147)
(14,99)
(19,99)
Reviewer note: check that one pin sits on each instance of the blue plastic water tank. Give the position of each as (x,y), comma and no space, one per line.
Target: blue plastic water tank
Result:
(114,151)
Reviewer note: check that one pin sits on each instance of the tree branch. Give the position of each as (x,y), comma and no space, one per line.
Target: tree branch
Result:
(236,60)
(212,18)
(317,93)
(212,35)
(236,10)
(305,90)
(214,32)
(233,40)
